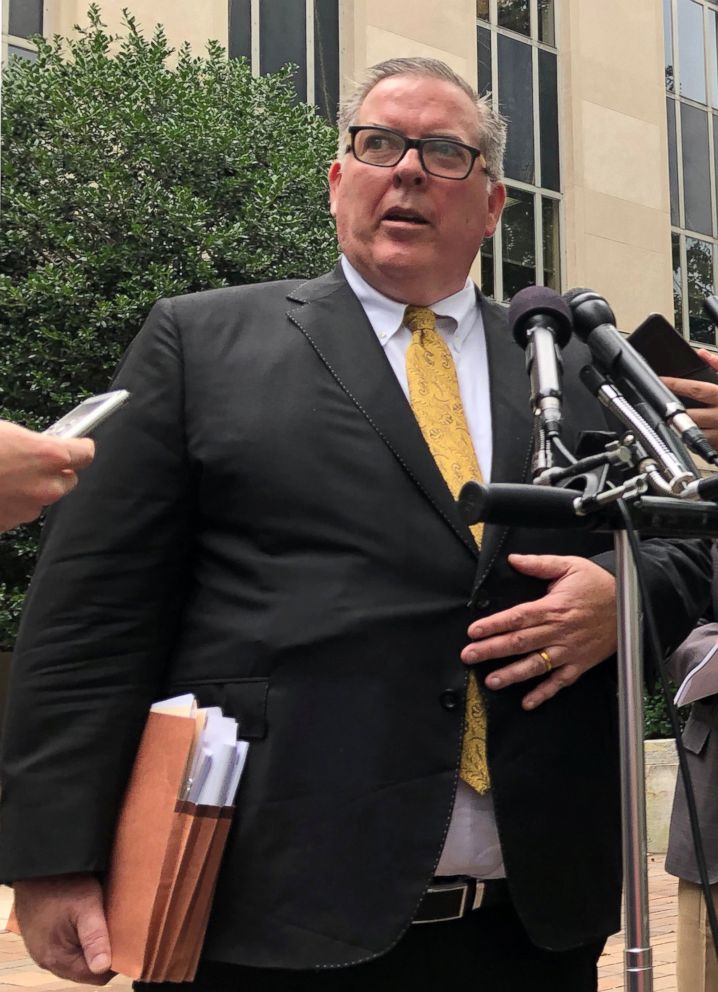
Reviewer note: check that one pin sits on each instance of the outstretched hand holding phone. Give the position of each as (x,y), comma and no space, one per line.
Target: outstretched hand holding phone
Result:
(36,470)
(704,409)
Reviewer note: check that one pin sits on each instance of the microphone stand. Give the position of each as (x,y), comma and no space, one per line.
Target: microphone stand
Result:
(653,516)
(638,956)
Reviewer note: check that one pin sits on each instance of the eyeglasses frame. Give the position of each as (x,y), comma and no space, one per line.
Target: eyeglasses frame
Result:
(418,144)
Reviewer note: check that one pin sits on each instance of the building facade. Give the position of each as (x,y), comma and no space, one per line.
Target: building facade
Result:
(612,162)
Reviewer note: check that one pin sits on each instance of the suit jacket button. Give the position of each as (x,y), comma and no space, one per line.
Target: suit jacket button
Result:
(483,604)
(449,699)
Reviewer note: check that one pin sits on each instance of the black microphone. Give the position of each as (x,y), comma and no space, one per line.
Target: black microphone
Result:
(541,323)
(594,323)
(512,504)
(710,306)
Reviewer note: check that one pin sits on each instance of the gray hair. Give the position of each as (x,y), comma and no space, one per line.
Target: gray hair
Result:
(491,125)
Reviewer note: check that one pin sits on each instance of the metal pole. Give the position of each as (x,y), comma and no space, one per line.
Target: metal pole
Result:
(638,959)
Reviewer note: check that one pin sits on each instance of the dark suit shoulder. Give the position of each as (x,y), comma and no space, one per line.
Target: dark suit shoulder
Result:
(491,310)
(231,296)
(255,293)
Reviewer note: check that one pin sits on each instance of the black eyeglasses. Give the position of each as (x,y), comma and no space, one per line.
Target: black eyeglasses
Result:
(383,147)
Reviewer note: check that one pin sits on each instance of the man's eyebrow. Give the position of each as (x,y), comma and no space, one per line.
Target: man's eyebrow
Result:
(432,134)
(449,137)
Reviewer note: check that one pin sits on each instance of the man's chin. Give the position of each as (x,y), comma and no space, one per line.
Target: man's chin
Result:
(398,257)
(403,276)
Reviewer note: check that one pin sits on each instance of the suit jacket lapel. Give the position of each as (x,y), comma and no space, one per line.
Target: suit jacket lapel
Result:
(511,418)
(333,321)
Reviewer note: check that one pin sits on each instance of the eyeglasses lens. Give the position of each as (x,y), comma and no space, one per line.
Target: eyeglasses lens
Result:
(385,148)
(446,158)
(378,147)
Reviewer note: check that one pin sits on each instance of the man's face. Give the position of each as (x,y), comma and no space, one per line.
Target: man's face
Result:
(411,235)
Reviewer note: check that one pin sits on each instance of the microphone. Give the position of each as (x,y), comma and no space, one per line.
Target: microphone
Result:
(594,323)
(710,307)
(511,504)
(541,323)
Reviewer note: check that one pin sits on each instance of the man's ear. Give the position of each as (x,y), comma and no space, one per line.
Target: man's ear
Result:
(497,198)
(335,175)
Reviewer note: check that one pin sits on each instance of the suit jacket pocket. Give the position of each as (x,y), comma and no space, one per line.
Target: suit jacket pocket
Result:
(695,734)
(243,699)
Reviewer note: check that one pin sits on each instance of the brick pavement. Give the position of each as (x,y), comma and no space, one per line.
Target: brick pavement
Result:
(17,971)
(662,890)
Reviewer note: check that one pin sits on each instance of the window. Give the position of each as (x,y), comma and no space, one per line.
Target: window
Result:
(691,73)
(517,65)
(21,20)
(24,18)
(271,33)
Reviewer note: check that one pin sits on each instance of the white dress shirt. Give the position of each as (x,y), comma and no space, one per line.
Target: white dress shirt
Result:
(472,843)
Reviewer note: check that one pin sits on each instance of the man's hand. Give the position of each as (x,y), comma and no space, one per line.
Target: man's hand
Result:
(63,925)
(35,470)
(574,624)
(704,392)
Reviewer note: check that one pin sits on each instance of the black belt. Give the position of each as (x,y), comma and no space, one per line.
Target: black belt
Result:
(449,898)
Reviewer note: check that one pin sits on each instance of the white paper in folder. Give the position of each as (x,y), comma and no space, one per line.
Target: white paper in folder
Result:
(218,760)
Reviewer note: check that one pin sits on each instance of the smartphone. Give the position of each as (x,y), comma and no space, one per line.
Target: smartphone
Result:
(668,353)
(88,414)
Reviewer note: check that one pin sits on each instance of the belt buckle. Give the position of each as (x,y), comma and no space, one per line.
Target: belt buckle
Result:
(463,888)
(459,887)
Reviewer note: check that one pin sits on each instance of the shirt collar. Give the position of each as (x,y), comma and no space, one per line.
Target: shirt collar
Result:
(386,316)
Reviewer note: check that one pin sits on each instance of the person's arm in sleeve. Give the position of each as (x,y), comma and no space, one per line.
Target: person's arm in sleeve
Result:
(96,635)
(573,626)
(692,651)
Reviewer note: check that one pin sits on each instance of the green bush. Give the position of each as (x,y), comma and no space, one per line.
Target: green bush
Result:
(656,721)
(128,176)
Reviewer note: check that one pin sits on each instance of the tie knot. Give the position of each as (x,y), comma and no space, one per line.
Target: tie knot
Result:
(419,319)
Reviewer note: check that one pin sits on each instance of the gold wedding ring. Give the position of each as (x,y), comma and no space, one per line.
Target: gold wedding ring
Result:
(546,660)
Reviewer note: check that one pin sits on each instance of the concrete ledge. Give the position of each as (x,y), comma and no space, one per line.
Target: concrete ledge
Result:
(661,771)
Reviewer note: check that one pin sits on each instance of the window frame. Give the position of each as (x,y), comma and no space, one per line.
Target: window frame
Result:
(14,40)
(674,100)
(537,189)
(309,67)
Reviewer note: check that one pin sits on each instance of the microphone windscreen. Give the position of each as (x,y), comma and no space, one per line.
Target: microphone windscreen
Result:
(540,301)
(589,310)
(571,294)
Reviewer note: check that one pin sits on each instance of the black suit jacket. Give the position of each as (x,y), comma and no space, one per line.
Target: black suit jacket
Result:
(264,525)
(700,739)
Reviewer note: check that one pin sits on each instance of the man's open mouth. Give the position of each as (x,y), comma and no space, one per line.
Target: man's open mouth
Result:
(405,216)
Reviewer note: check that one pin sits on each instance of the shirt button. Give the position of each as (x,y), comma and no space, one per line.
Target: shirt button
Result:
(449,699)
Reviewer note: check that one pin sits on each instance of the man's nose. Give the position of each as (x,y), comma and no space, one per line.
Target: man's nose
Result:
(409,169)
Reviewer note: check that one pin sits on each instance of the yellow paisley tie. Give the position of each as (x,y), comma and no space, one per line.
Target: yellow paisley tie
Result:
(436,402)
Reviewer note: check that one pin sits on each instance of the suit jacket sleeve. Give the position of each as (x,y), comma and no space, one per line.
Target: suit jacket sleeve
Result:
(694,648)
(699,740)
(112,651)
(677,574)
(692,651)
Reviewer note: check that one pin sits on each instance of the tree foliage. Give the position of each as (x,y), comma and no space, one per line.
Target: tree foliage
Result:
(132,172)
(656,721)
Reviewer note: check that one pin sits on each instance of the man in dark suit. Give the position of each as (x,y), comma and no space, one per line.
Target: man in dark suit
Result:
(271,524)
(696,965)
